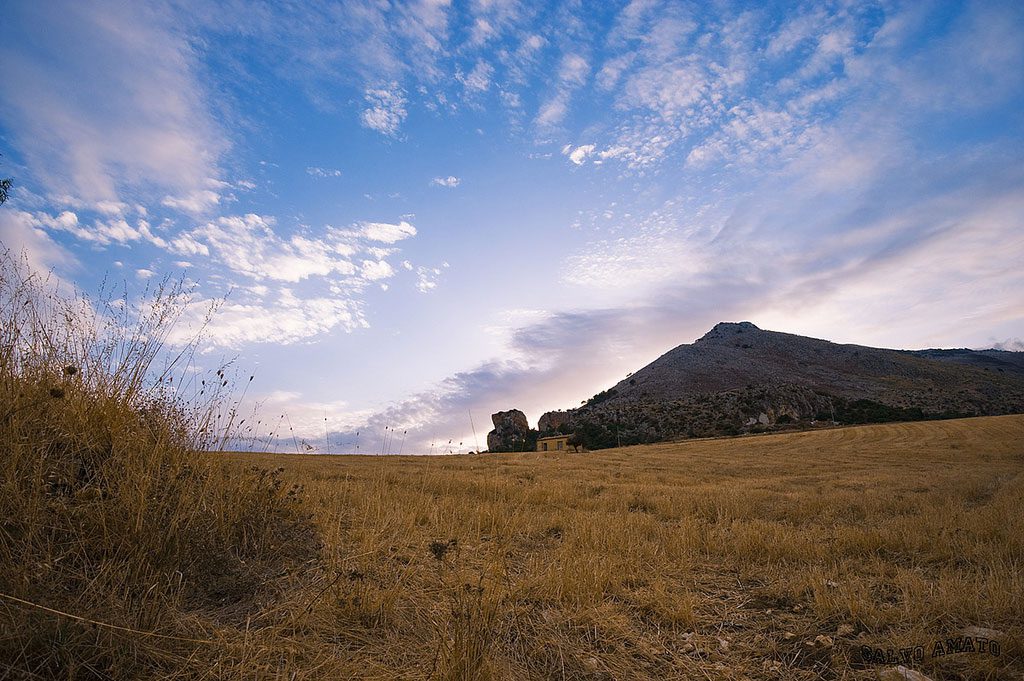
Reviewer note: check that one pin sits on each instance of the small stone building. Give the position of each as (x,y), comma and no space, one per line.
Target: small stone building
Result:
(554,443)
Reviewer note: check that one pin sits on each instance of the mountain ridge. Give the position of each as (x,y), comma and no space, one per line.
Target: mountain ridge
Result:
(739,378)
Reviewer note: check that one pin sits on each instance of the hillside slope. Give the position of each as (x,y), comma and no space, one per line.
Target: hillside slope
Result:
(739,378)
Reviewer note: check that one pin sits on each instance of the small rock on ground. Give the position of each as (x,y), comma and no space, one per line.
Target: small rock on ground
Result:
(901,673)
(982,632)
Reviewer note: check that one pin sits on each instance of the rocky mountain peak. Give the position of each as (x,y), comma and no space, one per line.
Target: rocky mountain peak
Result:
(726,330)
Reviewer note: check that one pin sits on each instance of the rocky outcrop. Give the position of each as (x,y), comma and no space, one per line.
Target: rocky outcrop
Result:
(513,418)
(551,421)
(511,432)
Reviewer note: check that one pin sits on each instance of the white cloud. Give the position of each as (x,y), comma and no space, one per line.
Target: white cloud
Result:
(281,319)
(249,245)
(683,86)
(103,100)
(373,270)
(451,182)
(654,249)
(669,90)
(611,72)
(196,202)
(315,171)
(482,32)
(573,70)
(111,207)
(23,237)
(252,246)
(578,155)
(144,273)
(425,24)
(492,18)
(634,262)
(188,245)
(572,74)
(386,110)
(115,230)
(796,31)
(534,42)
(553,111)
(385,232)
(479,79)
(427,278)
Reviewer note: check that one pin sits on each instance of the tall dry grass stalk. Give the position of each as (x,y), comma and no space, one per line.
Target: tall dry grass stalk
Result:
(123,551)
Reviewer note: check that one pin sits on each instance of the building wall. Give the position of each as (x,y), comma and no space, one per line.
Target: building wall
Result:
(554,444)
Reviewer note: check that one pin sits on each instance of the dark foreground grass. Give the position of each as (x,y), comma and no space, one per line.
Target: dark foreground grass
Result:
(123,552)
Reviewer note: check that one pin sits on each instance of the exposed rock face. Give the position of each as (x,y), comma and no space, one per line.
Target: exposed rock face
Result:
(511,432)
(552,420)
(513,418)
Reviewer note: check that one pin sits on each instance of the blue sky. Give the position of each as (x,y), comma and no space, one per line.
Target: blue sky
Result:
(421,211)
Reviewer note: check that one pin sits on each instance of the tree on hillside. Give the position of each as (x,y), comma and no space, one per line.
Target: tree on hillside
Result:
(5,187)
(575,441)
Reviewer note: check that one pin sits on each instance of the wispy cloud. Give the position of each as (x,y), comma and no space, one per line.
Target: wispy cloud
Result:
(479,79)
(106,100)
(450,182)
(251,245)
(572,74)
(386,109)
(102,232)
(22,235)
(386,232)
(427,278)
(316,171)
(196,202)
(578,154)
(278,317)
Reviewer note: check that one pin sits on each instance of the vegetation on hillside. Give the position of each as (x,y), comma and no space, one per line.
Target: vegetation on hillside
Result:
(5,189)
(751,409)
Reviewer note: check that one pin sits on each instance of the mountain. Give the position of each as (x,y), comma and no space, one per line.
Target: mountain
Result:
(739,378)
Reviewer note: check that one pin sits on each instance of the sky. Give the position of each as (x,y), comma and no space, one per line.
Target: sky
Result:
(414,214)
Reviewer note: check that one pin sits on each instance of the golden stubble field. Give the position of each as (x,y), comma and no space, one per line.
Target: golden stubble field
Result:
(131,547)
(776,556)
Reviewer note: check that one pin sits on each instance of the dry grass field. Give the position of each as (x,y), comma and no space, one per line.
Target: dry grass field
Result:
(759,557)
(130,548)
